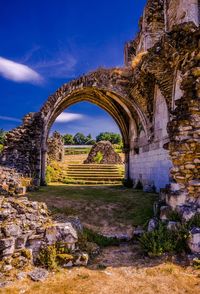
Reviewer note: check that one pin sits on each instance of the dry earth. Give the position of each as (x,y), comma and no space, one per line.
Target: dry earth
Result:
(149,279)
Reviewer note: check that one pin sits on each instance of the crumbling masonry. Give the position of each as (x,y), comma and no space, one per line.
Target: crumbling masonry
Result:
(154,99)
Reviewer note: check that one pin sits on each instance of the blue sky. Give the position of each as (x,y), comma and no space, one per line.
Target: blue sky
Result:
(47,43)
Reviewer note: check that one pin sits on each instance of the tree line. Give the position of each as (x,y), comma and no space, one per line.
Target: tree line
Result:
(81,139)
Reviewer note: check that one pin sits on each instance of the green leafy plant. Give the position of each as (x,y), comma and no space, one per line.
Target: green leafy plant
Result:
(162,240)
(98,158)
(47,257)
(194,221)
(54,255)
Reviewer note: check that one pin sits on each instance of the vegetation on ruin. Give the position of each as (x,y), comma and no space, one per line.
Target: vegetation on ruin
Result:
(98,158)
(162,240)
(53,256)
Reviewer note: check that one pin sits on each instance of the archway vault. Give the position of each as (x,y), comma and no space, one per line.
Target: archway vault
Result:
(120,109)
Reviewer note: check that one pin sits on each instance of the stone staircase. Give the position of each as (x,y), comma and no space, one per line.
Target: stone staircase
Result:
(94,174)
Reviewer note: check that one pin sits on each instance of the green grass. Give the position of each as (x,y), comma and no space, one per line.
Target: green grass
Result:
(129,206)
(100,240)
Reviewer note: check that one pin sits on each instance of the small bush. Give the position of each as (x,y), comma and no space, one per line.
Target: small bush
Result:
(53,256)
(162,240)
(53,172)
(47,257)
(99,157)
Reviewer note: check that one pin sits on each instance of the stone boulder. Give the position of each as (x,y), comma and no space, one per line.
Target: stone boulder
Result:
(106,153)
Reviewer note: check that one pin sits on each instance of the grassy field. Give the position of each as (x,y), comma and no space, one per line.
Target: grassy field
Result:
(105,209)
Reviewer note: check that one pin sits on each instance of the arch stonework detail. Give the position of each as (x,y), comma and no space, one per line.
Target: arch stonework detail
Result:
(128,95)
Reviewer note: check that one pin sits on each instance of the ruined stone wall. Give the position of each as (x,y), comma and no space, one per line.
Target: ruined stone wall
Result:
(26,228)
(180,11)
(22,148)
(56,148)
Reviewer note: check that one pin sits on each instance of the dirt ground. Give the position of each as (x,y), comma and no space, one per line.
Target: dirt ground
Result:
(122,269)
(152,278)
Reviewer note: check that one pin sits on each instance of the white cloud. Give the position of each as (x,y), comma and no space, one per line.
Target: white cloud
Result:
(9,118)
(18,72)
(67,117)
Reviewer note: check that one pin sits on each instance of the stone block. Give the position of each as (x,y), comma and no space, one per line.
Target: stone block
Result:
(194,240)
(176,199)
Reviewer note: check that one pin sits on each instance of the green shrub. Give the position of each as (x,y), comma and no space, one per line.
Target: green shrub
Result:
(194,221)
(53,256)
(47,257)
(162,240)
(98,158)
(53,172)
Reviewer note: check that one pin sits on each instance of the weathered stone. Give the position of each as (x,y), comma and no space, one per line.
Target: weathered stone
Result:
(172,225)
(82,259)
(21,276)
(194,240)
(62,232)
(7,247)
(38,275)
(152,225)
(11,230)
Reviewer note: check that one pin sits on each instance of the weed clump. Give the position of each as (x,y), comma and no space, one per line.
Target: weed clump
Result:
(99,157)
(53,256)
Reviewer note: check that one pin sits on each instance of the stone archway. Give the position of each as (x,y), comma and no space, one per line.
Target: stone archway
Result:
(110,98)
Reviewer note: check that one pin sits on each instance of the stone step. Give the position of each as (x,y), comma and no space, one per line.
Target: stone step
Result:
(93,182)
(98,166)
(96,178)
(72,172)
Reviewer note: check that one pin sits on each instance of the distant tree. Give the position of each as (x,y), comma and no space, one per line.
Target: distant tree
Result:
(80,139)
(112,137)
(68,139)
(2,136)
(90,140)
